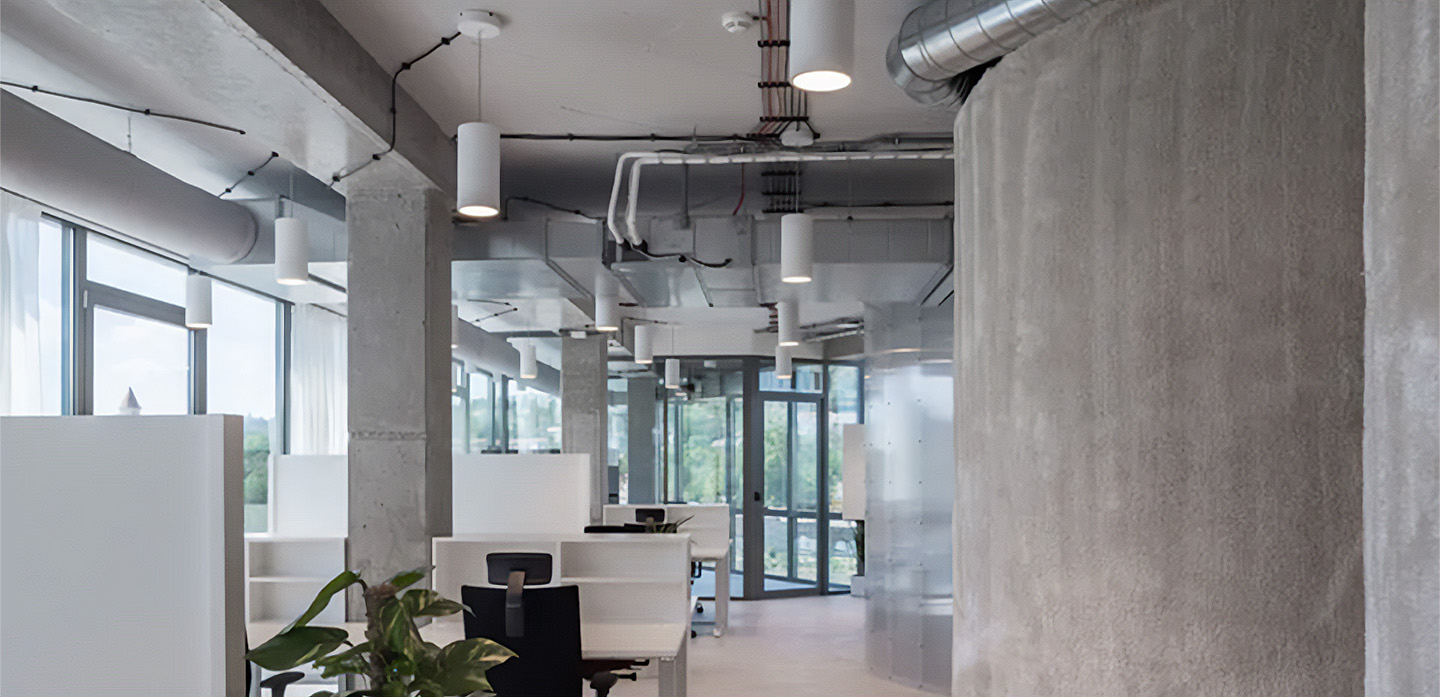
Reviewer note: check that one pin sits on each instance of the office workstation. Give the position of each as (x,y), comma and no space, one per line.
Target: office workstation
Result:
(641,348)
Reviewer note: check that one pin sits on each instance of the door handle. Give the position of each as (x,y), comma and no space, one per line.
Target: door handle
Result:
(756,495)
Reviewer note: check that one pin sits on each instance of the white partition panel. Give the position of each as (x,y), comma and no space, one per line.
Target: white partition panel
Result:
(309,496)
(120,556)
(525,494)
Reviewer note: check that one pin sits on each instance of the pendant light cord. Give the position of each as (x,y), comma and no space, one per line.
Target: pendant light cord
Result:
(479,79)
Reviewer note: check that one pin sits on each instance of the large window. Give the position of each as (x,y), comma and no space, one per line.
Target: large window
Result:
(241,356)
(139,356)
(483,435)
(534,420)
(94,325)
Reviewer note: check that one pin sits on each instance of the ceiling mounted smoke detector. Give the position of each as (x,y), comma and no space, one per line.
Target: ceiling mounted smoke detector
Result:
(737,22)
(480,24)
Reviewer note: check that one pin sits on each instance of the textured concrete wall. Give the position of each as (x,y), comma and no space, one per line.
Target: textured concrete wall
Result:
(399,374)
(1159,359)
(1402,460)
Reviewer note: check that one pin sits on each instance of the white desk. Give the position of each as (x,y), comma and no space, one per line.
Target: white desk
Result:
(709,530)
(634,591)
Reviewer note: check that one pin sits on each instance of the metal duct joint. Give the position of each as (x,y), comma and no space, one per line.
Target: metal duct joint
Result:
(944,38)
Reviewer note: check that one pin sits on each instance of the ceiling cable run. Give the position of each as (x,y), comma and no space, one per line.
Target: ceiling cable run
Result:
(251,172)
(394,112)
(134,110)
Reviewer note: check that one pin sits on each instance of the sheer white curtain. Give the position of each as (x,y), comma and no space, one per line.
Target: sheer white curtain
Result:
(318,416)
(23,388)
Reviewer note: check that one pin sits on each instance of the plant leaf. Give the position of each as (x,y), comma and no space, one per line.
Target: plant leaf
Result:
(426,688)
(405,579)
(337,584)
(427,603)
(323,693)
(296,646)
(397,628)
(462,665)
(351,661)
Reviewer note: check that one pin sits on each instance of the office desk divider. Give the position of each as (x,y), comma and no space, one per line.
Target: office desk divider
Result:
(708,525)
(121,555)
(520,494)
(634,590)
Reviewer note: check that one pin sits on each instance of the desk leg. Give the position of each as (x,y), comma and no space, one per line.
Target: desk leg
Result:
(673,671)
(722,594)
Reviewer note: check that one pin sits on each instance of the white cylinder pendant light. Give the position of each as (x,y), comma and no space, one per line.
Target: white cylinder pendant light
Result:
(529,367)
(672,373)
(197,301)
(644,346)
(784,367)
(454,326)
(292,251)
(788,322)
(797,247)
(822,44)
(477,179)
(607,302)
(607,313)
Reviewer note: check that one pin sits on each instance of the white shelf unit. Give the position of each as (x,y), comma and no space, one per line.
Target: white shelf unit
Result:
(283,574)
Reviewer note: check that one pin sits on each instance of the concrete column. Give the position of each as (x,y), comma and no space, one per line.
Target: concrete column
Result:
(1402,255)
(1160,295)
(399,348)
(640,418)
(584,411)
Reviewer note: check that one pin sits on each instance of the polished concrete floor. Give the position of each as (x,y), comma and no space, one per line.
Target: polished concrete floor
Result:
(793,646)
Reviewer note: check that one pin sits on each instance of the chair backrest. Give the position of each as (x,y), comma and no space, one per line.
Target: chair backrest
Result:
(547,661)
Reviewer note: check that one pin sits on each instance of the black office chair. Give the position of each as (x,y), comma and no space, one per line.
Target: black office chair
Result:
(542,627)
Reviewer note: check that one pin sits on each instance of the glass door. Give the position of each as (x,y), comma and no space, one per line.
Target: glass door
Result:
(790,495)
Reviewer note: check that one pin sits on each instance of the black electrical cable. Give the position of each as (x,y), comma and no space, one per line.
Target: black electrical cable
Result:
(250,173)
(553,207)
(136,110)
(394,112)
(679,256)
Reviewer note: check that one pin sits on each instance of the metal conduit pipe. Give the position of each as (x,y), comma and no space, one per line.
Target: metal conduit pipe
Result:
(631,232)
(944,38)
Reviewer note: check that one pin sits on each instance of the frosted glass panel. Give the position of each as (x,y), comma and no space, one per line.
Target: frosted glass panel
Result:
(909,397)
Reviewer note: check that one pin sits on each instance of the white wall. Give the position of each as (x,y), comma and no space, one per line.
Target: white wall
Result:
(120,556)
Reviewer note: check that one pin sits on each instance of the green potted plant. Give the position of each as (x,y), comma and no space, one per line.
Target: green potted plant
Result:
(393,660)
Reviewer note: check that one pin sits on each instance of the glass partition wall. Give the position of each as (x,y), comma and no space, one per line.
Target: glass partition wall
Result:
(769,448)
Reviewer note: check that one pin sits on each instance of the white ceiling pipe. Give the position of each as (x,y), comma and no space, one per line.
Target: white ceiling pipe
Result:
(632,207)
(789,322)
(822,44)
(644,344)
(292,251)
(631,233)
(197,301)
(784,366)
(615,193)
(672,373)
(878,213)
(797,247)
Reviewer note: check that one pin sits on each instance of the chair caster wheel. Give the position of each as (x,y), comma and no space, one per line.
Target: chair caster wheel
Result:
(693,634)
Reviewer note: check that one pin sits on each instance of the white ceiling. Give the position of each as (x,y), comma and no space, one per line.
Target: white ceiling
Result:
(618,67)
